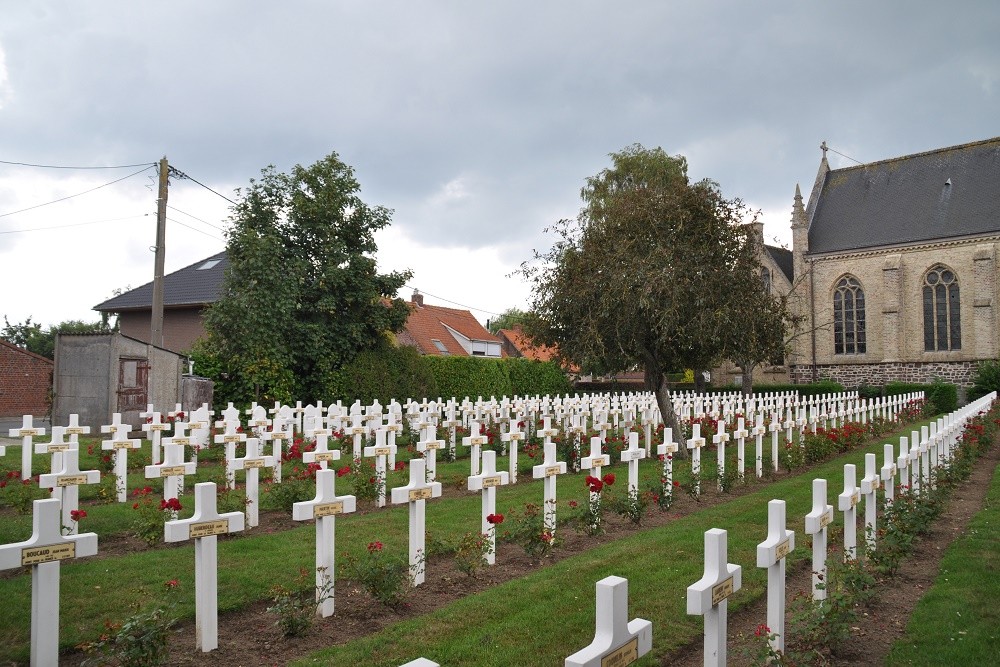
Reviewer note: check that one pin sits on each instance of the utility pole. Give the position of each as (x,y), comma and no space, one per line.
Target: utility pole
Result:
(156,321)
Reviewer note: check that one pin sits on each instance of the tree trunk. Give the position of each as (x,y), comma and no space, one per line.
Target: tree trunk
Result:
(747,372)
(656,381)
(699,381)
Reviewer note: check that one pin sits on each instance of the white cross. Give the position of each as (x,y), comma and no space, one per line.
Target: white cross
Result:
(487,482)
(26,433)
(44,551)
(229,439)
(915,454)
(632,455)
(181,439)
(74,430)
(848,504)
(758,434)
(775,429)
(380,451)
(280,431)
(200,424)
(475,441)
(321,454)
(547,432)
(888,472)
(720,439)
(512,437)
(617,641)
(430,446)
(740,435)
(203,527)
(817,522)
(666,452)
(252,462)
(597,459)
(869,485)
(357,430)
(324,508)
(172,470)
(709,596)
(548,470)
(120,444)
(695,444)
(925,458)
(154,429)
(258,418)
(55,447)
(416,494)
(69,478)
(771,554)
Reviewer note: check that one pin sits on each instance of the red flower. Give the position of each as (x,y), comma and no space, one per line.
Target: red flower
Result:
(374,546)
(609,479)
(76,515)
(677,483)
(494,518)
(346,470)
(172,504)
(135,506)
(399,466)
(173,583)
(762,630)
(573,503)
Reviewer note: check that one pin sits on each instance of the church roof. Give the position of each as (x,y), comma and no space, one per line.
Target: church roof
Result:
(944,193)
(195,285)
(783,258)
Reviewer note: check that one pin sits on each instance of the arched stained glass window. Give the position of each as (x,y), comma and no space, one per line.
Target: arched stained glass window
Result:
(848,317)
(942,310)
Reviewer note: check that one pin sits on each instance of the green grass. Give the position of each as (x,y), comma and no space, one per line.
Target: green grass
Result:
(107,588)
(957,622)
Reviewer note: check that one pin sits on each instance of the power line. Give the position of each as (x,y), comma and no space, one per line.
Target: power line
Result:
(195,229)
(174,208)
(481,310)
(842,155)
(180,174)
(56,201)
(75,224)
(56,166)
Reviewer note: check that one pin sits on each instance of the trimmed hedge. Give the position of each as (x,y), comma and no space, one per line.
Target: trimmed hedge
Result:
(472,377)
(385,373)
(942,395)
(986,379)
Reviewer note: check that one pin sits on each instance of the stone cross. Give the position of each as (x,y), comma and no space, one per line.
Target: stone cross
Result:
(915,482)
(321,454)
(666,452)
(487,482)
(601,425)
(758,434)
(392,427)
(869,486)
(181,439)
(55,447)
(771,554)
(740,435)
(775,428)
(547,432)
(154,429)
(200,425)
(512,437)
(549,470)
(74,430)
(709,596)
(925,459)
(596,460)
(380,451)
(429,446)
(888,473)
(451,423)
(475,440)
(280,431)
(817,522)
(324,508)
(120,444)
(172,470)
(203,528)
(415,494)
(43,552)
(252,462)
(229,439)
(356,430)
(617,641)
(848,504)
(26,433)
(695,444)
(258,418)
(720,439)
(69,478)
(632,455)
(903,464)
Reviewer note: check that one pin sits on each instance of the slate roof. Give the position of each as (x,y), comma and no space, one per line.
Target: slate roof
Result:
(428,323)
(939,194)
(783,258)
(189,286)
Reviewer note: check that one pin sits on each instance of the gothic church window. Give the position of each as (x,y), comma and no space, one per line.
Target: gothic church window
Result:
(848,317)
(942,310)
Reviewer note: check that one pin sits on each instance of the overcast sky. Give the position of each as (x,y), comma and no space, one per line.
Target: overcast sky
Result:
(476,122)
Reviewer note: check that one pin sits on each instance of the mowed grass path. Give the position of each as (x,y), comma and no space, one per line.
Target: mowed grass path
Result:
(957,622)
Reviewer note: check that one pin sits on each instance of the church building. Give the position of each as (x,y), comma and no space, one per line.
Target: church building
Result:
(895,268)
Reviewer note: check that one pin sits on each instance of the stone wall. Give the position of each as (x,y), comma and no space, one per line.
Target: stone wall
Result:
(853,375)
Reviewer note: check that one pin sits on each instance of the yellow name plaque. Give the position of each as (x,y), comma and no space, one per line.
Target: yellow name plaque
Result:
(323,456)
(491,481)
(328,509)
(825,520)
(625,655)
(209,528)
(722,591)
(71,480)
(54,552)
(782,550)
(421,494)
(253,463)
(552,470)
(383,451)
(171,471)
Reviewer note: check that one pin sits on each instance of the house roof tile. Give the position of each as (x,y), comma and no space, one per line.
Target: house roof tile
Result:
(428,323)
(190,286)
(523,343)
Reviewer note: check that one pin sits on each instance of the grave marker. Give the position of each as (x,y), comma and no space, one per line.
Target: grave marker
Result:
(27,432)
(512,438)
(632,455)
(848,504)
(720,439)
(709,596)
(869,487)
(229,439)
(771,554)
(817,523)
(380,451)
(666,452)
(429,446)
(415,494)
(120,444)
(475,440)
(154,428)
(252,462)
(69,478)
(617,641)
(487,482)
(549,470)
(172,470)
(695,444)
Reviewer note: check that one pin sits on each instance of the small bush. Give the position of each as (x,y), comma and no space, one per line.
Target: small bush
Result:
(986,379)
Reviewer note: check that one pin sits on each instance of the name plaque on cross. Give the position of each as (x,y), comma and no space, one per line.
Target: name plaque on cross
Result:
(420,494)
(34,556)
(328,509)
(617,641)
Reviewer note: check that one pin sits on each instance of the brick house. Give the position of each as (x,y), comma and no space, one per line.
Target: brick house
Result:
(25,382)
(436,330)
(896,270)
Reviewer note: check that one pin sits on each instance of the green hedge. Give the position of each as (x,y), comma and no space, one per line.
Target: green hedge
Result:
(986,379)
(942,395)
(385,373)
(459,377)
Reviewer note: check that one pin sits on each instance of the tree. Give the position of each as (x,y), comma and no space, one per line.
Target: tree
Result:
(649,273)
(302,294)
(34,338)
(508,319)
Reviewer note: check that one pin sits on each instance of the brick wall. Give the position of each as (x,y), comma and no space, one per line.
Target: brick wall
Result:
(853,375)
(25,382)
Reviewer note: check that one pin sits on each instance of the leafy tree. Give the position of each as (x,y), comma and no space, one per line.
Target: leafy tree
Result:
(34,338)
(508,319)
(302,294)
(651,274)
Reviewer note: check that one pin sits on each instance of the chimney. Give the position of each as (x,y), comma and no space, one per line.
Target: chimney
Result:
(417,299)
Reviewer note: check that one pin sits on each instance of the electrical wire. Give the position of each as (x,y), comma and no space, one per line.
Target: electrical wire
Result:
(481,310)
(56,166)
(75,224)
(180,174)
(195,229)
(195,217)
(56,201)
(842,155)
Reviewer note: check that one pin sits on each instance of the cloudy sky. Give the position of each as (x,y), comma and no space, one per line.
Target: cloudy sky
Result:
(476,122)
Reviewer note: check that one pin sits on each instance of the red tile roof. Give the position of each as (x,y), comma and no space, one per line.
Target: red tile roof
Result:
(428,323)
(523,344)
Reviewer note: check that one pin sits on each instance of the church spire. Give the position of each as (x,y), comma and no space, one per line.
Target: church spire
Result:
(798,210)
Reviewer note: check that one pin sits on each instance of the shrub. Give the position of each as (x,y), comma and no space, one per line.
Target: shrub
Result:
(384,373)
(986,379)
(459,377)
(943,395)
(385,578)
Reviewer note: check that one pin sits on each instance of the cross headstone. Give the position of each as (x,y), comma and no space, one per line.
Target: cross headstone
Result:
(27,432)
(120,443)
(180,438)
(817,522)
(74,430)
(709,596)
(915,482)
(69,478)
(321,454)
(771,554)
(252,461)
(324,508)
(475,440)
(279,433)
(172,469)
(617,641)
(230,439)
(775,427)
(632,456)
(381,452)
(666,452)
(869,488)
(720,439)
(356,430)
(512,438)
(487,482)
(848,504)
(695,443)
(43,552)
(204,527)
(392,427)
(55,447)
(549,470)
(429,446)
(888,472)
(154,429)
(415,494)
(740,435)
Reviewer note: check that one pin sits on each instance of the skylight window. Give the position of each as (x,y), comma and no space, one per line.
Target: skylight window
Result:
(209,264)
(439,345)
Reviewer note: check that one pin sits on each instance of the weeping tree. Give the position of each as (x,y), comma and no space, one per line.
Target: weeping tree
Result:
(652,274)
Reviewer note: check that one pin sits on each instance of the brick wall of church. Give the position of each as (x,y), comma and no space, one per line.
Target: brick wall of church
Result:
(853,375)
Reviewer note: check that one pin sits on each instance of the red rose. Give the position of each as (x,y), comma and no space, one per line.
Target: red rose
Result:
(609,479)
